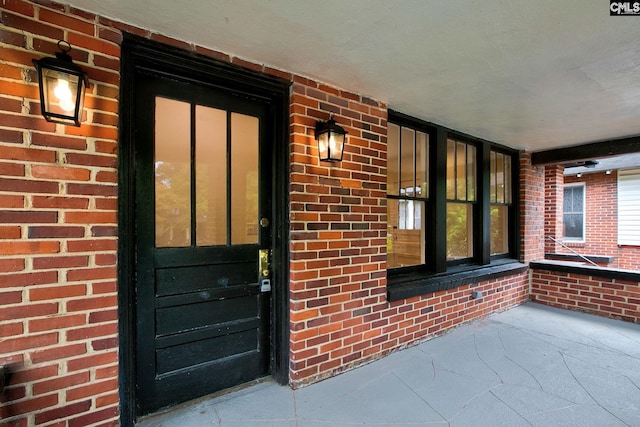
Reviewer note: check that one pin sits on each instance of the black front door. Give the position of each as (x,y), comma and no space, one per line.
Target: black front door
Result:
(202,217)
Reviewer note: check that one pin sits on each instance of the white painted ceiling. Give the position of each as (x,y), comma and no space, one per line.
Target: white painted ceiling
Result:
(529,74)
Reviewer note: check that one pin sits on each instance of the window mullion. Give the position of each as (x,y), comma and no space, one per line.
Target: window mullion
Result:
(483,205)
(439,202)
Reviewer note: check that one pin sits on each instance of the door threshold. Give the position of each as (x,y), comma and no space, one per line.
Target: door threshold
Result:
(184,405)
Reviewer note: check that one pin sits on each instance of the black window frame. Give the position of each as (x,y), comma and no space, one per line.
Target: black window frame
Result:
(437,273)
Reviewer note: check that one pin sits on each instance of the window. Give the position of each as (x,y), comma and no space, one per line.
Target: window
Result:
(451,207)
(501,202)
(461,197)
(573,212)
(408,191)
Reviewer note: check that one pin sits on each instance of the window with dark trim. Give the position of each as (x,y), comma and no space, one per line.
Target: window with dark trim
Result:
(408,195)
(501,202)
(451,207)
(461,200)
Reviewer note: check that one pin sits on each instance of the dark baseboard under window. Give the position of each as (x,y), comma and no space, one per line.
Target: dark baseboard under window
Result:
(411,285)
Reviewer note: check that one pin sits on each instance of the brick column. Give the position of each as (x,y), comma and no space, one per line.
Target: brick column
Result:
(338,235)
(532,205)
(553,205)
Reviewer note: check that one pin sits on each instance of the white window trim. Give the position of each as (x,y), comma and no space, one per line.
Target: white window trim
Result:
(584,214)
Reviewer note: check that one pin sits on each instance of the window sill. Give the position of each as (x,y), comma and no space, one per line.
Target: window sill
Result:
(408,286)
(571,257)
(587,270)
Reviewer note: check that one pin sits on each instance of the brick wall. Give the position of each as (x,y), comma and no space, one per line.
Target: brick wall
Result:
(58,232)
(58,317)
(628,257)
(339,314)
(601,213)
(553,203)
(532,210)
(615,298)
(601,222)
(338,233)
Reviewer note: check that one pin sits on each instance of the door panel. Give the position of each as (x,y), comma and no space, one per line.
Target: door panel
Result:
(202,322)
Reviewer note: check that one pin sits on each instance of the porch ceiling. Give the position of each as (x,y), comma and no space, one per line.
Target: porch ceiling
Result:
(532,75)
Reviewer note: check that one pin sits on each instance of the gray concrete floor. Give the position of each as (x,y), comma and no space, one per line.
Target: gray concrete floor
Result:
(529,366)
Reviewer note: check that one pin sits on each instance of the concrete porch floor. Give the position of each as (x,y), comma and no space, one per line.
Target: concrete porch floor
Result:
(529,366)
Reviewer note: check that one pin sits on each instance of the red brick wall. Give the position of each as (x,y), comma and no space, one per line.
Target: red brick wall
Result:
(601,226)
(58,317)
(339,314)
(532,210)
(553,203)
(601,221)
(58,238)
(338,233)
(628,257)
(619,299)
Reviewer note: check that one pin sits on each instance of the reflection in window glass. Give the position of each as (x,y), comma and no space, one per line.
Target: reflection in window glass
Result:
(405,233)
(507,180)
(451,170)
(499,230)
(461,171)
(500,200)
(244,179)
(471,173)
(573,215)
(211,176)
(493,195)
(422,160)
(461,191)
(393,159)
(500,177)
(459,231)
(172,162)
(407,162)
(407,183)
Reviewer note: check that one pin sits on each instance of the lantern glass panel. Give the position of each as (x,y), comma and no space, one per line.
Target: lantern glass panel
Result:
(323,146)
(336,142)
(63,95)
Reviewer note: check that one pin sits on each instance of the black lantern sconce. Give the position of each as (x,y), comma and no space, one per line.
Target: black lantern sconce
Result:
(62,86)
(331,138)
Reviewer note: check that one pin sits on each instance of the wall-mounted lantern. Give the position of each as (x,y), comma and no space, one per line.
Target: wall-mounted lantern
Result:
(331,138)
(62,86)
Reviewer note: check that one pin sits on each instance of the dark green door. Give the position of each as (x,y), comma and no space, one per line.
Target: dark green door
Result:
(202,216)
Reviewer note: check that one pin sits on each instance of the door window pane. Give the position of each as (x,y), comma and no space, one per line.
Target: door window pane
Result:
(244,179)
(459,231)
(172,162)
(211,176)
(405,233)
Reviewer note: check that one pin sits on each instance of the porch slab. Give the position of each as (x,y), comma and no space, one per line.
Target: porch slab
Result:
(530,366)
